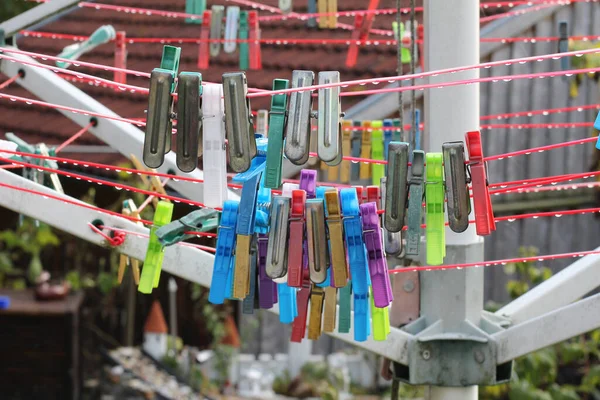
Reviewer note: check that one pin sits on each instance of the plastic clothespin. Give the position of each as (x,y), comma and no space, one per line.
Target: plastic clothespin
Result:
(415,203)
(276,266)
(362,26)
(311,9)
(330,8)
(392,241)
(396,181)
(238,121)
(377,152)
(397,126)
(345,308)
(408,36)
(346,149)
(316,237)
(288,309)
(277,119)
(329,119)
(296,235)
(157,141)
(285,6)
(356,144)
(357,261)
(244,45)
(563,44)
(195,7)
(204,46)
(119,75)
(102,35)
(203,220)
(484,215)
(381,322)
(365,150)
(262,123)
(224,255)
(388,133)
(245,233)
(336,239)
(155,252)
(417,129)
(213,143)
(399,36)
(434,210)
(216,28)
(231,29)
(298,130)
(373,195)
(360,194)
(380,278)
(330,302)
(457,191)
(254,36)
(597,127)
(266,289)
(189,120)
(251,302)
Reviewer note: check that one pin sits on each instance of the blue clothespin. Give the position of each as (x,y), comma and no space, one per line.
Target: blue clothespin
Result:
(358,262)
(356,141)
(222,272)
(321,195)
(597,127)
(388,133)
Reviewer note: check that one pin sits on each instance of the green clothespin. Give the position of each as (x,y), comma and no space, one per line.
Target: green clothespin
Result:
(404,53)
(434,209)
(244,46)
(170,62)
(155,252)
(102,35)
(380,318)
(195,7)
(377,152)
(396,135)
(345,310)
(204,220)
(276,127)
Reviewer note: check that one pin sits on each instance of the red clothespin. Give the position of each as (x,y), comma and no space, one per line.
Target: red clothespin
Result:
(120,57)
(296,238)
(421,36)
(359,194)
(362,26)
(484,215)
(299,324)
(373,195)
(254,37)
(204,47)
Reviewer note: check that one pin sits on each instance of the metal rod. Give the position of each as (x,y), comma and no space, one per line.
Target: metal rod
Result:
(399,71)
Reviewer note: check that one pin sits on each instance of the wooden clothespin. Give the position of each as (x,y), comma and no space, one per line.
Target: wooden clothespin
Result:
(152,181)
(129,209)
(329,7)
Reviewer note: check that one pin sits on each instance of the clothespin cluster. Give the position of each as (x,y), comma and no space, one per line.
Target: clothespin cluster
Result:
(437,178)
(327,7)
(301,248)
(242,25)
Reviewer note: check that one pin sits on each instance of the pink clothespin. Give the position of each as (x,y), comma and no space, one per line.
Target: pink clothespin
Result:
(254,37)
(120,57)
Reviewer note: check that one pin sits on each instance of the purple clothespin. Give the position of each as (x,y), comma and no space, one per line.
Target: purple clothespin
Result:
(380,278)
(308,183)
(267,288)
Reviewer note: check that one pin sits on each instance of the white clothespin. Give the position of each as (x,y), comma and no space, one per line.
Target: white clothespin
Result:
(232,23)
(215,158)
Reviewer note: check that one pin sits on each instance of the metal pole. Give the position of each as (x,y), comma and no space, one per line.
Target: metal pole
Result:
(452,39)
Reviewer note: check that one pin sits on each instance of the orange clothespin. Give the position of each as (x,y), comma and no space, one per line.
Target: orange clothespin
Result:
(254,34)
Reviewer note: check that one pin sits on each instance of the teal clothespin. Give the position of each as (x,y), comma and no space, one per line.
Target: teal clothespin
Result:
(169,62)
(244,46)
(203,220)
(195,7)
(276,127)
(102,35)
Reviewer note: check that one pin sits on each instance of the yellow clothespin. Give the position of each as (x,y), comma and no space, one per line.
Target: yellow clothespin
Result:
(151,181)
(330,308)
(365,150)
(346,149)
(329,7)
(316,311)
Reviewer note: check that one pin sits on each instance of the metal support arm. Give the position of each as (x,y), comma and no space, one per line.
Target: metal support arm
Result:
(565,287)
(36,15)
(122,136)
(184,261)
(553,327)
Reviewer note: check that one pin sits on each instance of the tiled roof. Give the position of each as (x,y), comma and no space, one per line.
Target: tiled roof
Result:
(37,124)
(155,323)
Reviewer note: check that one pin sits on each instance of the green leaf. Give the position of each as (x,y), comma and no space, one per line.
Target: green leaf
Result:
(516,288)
(521,390)
(570,352)
(591,380)
(106,282)
(45,237)
(563,393)
(19,284)
(74,279)
(6,264)
(35,268)
(510,268)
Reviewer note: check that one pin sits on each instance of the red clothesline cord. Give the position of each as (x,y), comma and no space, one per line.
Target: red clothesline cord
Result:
(127,232)
(495,262)
(296,41)
(74,137)
(9,81)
